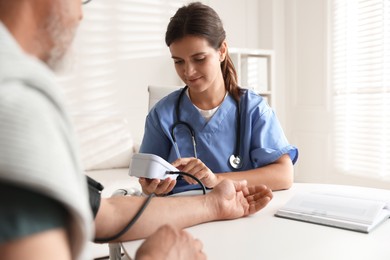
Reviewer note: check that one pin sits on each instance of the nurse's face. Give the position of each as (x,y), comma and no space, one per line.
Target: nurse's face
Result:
(197,63)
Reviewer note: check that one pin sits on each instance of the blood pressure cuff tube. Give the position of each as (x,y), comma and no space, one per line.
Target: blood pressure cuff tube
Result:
(94,190)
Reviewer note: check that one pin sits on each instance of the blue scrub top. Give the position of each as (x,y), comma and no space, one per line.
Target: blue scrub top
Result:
(262,138)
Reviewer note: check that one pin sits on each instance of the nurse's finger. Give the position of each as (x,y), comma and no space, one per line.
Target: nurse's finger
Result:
(188,179)
(164,185)
(171,186)
(193,166)
(182,161)
(201,171)
(149,185)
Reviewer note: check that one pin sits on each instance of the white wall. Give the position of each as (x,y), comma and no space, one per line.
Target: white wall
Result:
(306,60)
(241,21)
(259,24)
(135,76)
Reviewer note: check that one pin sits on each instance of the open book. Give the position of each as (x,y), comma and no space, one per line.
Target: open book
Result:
(357,214)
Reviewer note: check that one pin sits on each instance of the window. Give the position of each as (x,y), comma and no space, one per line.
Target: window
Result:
(360,73)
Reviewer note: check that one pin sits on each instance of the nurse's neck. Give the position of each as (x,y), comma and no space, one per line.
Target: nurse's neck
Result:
(209,98)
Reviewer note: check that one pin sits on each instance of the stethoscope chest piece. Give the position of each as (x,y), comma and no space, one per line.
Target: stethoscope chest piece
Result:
(235,161)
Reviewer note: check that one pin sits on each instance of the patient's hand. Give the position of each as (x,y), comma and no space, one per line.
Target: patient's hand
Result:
(234,199)
(169,243)
(157,186)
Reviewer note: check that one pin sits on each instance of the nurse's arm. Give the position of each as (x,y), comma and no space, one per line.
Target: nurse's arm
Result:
(276,176)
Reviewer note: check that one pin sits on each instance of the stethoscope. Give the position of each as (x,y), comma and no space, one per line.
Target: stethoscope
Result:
(235,159)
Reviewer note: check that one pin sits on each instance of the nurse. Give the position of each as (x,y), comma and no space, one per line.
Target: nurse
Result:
(203,128)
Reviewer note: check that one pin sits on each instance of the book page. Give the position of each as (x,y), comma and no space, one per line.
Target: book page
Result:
(337,207)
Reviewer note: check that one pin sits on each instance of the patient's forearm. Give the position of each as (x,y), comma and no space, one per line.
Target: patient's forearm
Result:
(114,214)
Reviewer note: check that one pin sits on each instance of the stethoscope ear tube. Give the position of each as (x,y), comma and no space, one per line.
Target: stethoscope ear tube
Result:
(192,132)
(235,160)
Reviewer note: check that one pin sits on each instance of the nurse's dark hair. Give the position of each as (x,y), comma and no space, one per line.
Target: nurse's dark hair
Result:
(201,20)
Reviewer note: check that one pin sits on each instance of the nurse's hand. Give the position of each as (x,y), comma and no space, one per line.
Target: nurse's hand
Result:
(198,169)
(157,186)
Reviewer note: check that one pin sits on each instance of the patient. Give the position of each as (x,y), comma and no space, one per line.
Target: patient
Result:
(45,211)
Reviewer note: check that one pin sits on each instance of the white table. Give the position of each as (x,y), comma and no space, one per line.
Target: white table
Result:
(264,236)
